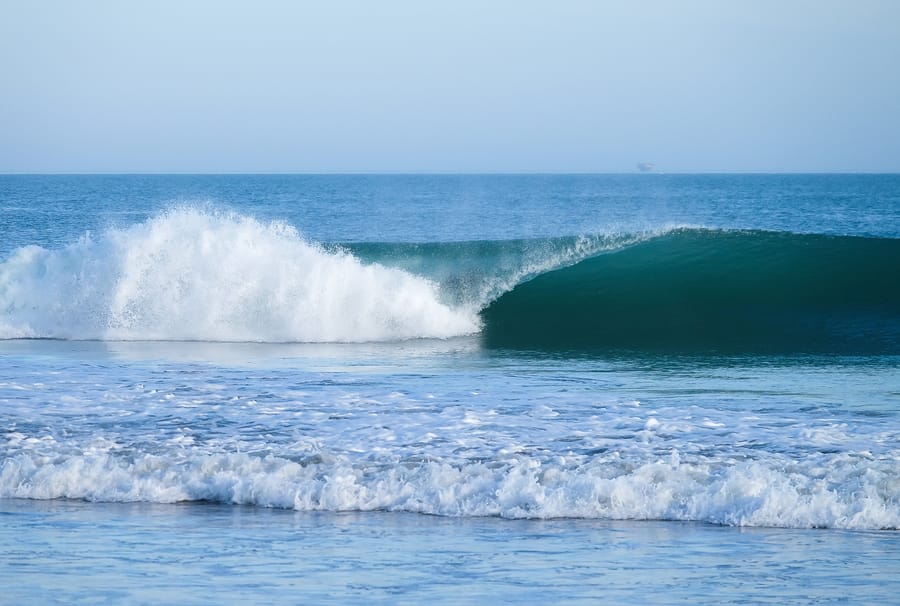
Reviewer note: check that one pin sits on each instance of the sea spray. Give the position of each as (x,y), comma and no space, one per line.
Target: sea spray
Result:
(189,274)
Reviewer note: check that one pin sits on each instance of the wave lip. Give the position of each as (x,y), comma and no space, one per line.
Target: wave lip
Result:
(702,290)
(188,274)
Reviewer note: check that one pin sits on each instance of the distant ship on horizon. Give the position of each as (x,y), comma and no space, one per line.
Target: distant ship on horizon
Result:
(646,167)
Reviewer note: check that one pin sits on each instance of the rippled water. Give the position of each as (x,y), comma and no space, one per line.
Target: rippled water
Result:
(411,469)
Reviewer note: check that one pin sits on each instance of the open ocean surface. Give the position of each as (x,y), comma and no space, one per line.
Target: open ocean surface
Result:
(453,389)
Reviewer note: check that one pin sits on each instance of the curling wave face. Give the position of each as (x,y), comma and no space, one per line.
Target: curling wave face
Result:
(702,290)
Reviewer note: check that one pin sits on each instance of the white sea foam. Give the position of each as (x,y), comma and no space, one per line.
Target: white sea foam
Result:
(856,494)
(190,274)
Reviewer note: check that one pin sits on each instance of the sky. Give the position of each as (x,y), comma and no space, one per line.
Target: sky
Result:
(465,86)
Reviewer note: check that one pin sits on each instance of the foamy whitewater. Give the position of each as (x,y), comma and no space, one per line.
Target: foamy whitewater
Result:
(322,441)
(643,361)
(189,275)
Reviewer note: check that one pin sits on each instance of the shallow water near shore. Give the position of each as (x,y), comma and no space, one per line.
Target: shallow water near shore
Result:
(199,553)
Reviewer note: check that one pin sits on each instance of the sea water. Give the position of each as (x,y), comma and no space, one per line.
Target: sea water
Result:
(665,388)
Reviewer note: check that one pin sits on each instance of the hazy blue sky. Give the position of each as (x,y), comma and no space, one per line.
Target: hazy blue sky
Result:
(334,86)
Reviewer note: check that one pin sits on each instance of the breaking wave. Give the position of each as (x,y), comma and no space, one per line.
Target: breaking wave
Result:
(190,274)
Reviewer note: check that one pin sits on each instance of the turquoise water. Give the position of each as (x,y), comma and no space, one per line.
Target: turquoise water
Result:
(397,388)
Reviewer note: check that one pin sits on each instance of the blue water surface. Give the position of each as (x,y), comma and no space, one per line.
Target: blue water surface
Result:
(140,468)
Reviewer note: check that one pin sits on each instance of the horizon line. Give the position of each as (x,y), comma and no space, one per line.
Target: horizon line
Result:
(445,173)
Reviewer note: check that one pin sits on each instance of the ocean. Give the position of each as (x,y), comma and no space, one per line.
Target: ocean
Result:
(456,388)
